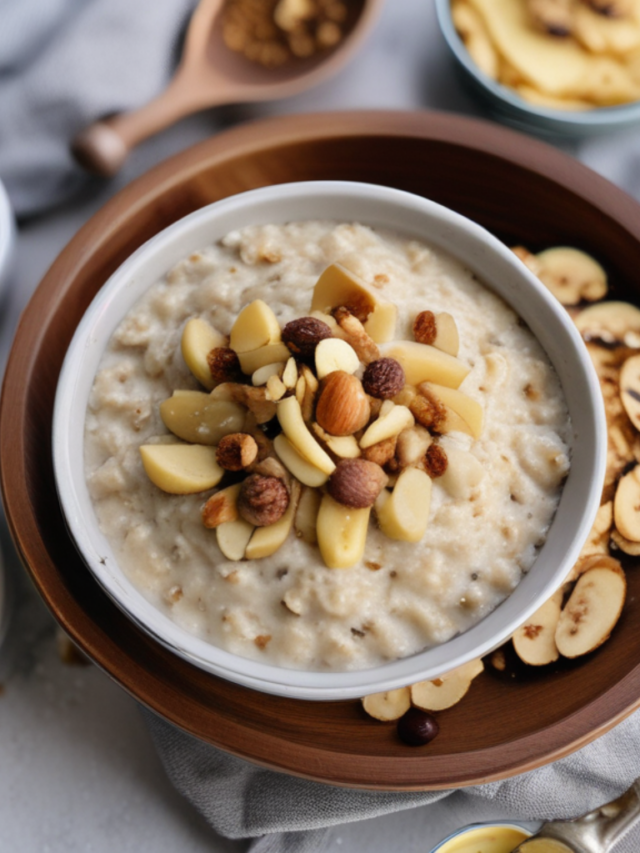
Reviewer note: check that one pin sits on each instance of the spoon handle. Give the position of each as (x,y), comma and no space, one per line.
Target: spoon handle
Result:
(103,147)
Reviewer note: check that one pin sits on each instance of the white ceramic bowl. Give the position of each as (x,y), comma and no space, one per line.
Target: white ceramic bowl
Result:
(411,216)
(7,237)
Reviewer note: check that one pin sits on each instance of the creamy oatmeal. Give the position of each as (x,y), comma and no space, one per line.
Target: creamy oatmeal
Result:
(489,510)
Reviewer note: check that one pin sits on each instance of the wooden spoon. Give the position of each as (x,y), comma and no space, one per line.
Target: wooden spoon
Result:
(210,74)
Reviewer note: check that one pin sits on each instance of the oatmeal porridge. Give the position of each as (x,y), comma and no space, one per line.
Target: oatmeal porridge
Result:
(324,446)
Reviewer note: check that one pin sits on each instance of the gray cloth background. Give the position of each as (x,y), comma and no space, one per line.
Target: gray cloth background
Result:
(66,63)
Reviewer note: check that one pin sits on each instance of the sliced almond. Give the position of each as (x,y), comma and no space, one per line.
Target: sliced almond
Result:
(342,533)
(344,446)
(335,354)
(295,429)
(255,326)
(198,339)
(197,418)
(424,363)
(364,346)
(290,373)
(535,641)
(388,706)
(298,465)
(343,407)
(404,513)
(221,507)
(389,424)
(263,374)
(626,505)
(233,537)
(466,407)
(592,611)
(257,358)
(307,515)
(446,690)
(412,445)
(276,388)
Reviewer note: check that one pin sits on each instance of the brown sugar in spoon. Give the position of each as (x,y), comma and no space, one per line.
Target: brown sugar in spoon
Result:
(210,74)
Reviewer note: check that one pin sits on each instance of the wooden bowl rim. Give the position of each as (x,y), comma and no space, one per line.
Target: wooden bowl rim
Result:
(414,772)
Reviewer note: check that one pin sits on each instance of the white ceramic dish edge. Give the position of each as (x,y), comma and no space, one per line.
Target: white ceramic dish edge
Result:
(7,238)
(376,206)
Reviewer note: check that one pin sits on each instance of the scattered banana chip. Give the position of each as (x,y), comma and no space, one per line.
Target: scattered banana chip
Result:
(626,506)
(613,323)
(571,275)
(555,53)
(446,691)
(535,641)
(387,706)
(592,611)
(630,389)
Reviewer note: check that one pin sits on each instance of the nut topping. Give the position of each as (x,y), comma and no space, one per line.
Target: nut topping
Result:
(356,483)
(236,451)
(262,500)
(343,407)
(303,335)
(424,328)
(224,364)
(436,461)
(383,378)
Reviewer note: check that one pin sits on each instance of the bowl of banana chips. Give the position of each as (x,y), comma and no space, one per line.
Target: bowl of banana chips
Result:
(563,67)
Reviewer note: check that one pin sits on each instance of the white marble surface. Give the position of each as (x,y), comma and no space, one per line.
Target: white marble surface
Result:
(77,768)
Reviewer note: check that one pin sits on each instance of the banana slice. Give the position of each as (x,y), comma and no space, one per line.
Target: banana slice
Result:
(591,612)
(198,339)
(404,513)
(611,323)
(602,34)
(535,641)
(571,275)
(255,326)
(630,389)
(341,532)
(626,505)
(540,99)
(388,706)
(194,417)
(448,689)
(554,17)
(625,545)
(181,469)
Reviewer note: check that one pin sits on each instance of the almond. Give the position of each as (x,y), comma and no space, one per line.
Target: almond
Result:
(343,407)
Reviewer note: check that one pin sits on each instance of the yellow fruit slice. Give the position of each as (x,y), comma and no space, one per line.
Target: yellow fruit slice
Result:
(535,641)
(255,326)
(181,469)
(424,363)
(198,339)
(446,690)
(469,409)
(257,358)
(341,532)
(404,513)
(591,612)
(388,706)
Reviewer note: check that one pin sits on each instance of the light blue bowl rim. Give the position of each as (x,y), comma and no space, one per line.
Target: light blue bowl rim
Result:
(599,117)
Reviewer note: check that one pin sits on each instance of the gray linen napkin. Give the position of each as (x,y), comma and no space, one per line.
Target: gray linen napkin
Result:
(65,64)
(289,815)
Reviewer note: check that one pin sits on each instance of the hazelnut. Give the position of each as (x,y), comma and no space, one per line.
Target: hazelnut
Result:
(343,407)
(356,483)
(224,364)
(236,451)
(303,335)
(416,727)
(425,327)
(382,452)
(262,500)
(383,378)
(436,461)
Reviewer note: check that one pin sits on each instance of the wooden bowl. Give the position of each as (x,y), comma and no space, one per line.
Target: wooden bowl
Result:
(523,191)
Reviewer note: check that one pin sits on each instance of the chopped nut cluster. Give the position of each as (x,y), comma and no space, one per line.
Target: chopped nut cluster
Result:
(273,32)
(288,410)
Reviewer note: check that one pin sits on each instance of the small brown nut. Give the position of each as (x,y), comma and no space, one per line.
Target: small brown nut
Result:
(303,335)
(343,407)
(425,327)
(262,500)
(436,461)
(382,452)
(365,347)
(356,483)
(428,411)
(383,378)
(224,364)
(236,451)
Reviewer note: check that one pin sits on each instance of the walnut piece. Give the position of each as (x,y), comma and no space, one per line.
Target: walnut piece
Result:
(236,451)
(262,500)
(365,347)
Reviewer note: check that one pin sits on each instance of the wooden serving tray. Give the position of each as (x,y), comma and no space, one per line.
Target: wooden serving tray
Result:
(523,191)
